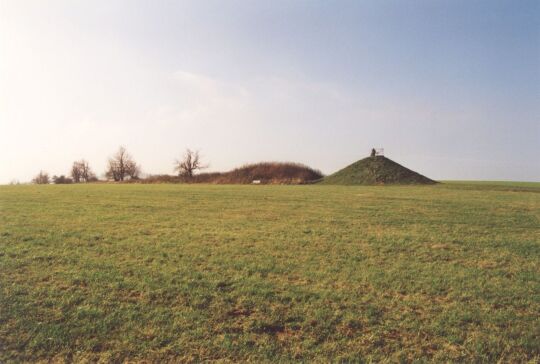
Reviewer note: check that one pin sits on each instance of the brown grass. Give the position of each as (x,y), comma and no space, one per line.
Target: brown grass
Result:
(265,172)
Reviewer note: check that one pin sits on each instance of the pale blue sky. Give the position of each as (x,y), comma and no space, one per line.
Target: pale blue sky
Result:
(448,88)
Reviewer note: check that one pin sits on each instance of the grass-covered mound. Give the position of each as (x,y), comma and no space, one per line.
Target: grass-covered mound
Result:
(265,173)
(271,173)
(374,171)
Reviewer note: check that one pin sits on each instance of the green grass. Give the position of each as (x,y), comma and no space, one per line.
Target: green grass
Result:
(107,272)
(496,183)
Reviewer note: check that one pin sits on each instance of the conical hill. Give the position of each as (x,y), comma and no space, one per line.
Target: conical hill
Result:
(376,170)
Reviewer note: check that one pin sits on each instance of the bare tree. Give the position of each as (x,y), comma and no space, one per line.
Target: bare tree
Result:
(76,172)
(42,178)
(189,164)
(132,169)
(122,165)
(81,172)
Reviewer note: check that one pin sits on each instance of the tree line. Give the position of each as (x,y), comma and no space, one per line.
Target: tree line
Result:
(120,167)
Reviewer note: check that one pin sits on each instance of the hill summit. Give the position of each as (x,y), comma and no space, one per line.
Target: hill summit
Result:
(376,170)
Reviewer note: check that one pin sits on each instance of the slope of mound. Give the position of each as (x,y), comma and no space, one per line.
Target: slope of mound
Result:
(375,171)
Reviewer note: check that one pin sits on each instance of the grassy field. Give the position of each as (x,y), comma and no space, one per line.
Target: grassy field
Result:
(449,272)
(509,184)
